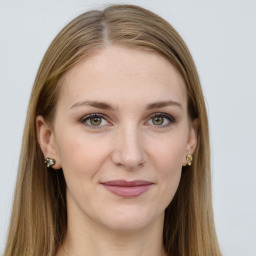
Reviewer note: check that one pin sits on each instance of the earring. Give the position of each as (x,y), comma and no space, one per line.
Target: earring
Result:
(189,158)
(49,162)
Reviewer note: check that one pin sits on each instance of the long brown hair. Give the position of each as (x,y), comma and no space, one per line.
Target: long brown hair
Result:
(38,222)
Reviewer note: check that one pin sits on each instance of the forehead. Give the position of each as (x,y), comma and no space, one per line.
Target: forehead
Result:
(122,75)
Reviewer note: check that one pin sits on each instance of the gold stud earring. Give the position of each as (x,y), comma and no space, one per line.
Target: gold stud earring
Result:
(189,159)
(49,162)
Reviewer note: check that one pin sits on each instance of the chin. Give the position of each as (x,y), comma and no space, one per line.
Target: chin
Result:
(131,220)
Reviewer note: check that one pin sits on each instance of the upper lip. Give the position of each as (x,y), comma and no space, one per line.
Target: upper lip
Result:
(125,183)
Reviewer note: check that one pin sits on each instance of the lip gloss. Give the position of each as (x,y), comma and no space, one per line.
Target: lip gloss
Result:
(127,189)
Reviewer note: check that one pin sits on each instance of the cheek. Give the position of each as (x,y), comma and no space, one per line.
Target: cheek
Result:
(169,165)
(167,156)
(169,151)
(80,153)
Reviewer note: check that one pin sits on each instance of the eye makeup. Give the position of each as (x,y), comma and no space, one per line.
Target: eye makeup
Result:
(97,120)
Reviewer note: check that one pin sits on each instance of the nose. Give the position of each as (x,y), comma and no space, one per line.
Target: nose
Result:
(128,149)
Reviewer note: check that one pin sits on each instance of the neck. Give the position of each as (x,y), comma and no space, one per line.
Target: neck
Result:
(87,238)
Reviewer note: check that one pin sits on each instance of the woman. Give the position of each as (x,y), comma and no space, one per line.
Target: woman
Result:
(106,166)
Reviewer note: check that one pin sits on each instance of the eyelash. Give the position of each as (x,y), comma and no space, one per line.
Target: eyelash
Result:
(88,117)
(170,120)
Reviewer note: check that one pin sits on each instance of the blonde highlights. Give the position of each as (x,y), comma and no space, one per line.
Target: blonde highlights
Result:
(39,217)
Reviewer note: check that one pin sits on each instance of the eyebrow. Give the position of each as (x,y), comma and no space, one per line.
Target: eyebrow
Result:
(96,104)
(162,104)
(104,105)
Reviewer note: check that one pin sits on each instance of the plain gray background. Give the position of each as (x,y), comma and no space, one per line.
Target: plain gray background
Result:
(222,38)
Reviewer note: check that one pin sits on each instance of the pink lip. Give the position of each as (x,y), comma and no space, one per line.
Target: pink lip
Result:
(127,189)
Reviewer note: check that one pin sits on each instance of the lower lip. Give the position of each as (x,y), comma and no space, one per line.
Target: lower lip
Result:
(128,192)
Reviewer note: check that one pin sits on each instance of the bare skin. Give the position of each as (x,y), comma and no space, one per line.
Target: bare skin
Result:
(122,115)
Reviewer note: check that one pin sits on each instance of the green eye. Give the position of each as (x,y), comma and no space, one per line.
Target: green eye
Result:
(161,120)
(158,120)
(95,121)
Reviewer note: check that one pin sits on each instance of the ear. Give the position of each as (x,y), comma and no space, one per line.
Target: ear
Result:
(192,137)
(46,139)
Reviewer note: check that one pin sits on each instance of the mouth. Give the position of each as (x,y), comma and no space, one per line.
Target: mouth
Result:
(127,189)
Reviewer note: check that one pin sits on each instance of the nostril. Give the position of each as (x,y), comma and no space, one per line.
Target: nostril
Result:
(130,162)
(130,159)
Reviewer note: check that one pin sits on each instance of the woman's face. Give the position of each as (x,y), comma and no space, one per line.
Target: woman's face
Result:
(121,135)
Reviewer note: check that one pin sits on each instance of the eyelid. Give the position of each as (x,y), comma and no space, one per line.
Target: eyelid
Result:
(169,117)
(87,117)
